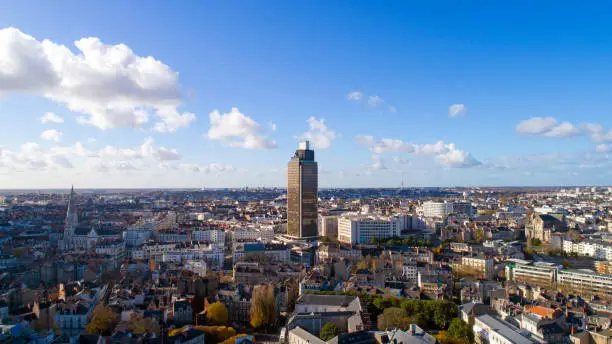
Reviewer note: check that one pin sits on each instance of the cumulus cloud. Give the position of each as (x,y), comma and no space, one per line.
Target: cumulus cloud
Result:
(603,148)
(536,125)
(51,135)
(456,110)
(454,157)
(355,95)
(550,127)
(237,130)
(50,117)
(146,150)
(445,154)
(318,134)
(109,85)
(32,156)
(384,145)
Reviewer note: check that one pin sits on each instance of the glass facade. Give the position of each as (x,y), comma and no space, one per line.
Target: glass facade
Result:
(302,185)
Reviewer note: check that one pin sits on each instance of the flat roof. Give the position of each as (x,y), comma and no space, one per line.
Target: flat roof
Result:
(504,329)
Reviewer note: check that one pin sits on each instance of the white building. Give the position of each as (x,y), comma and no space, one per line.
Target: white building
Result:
(597,249)
(213,255)
(196,266)
(479,266)
(264,234)
(113,249)
(134,237)
(213,236)
(328,225)
(488,329)
(356,229)
(410,273)
(529,272)
(437,209)
(586,283)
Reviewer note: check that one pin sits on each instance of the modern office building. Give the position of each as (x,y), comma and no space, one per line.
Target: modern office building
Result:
(302,184)
(529,272)
(437,209)
(359,229)
(585,283)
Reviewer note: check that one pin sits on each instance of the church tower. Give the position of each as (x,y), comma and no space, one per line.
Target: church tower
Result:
(70,223)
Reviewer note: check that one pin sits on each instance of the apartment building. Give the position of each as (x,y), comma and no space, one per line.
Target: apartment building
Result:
(488,329)
(597,249)
(528,272)
(479,266)
(585,283)
(213,236)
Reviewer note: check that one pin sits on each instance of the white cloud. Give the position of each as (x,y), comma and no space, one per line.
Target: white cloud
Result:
(61,161)
(146,150)
(237,130)
(374,100)
(603,148)
(564,129)
(51,135)
(445,154)
(109,85)
(454,157)
(431,148)
(355,96)
(319,134)
(456,110)
(50,117)
(385,145)
(392,109)
(536,125)
(550,127)
(91,140)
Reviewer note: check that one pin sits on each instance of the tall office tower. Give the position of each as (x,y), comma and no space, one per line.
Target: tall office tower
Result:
(302,184)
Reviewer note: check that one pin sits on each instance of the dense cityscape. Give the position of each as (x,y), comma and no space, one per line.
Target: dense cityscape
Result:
(305,172)
(299,265)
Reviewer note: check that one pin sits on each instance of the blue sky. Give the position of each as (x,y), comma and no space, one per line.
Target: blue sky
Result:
(530,85)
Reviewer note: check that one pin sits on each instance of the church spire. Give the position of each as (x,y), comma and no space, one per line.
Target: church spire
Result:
(71,221)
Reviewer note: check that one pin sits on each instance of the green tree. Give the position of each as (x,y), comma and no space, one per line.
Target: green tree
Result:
(102,321)
(263,307)
(460,330)
(216,314)
(393,317)
(329,331)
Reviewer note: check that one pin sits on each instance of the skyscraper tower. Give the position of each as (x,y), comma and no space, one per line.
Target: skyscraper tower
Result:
(302,184)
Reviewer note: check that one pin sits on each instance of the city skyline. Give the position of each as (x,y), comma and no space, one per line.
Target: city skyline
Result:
(394,95)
